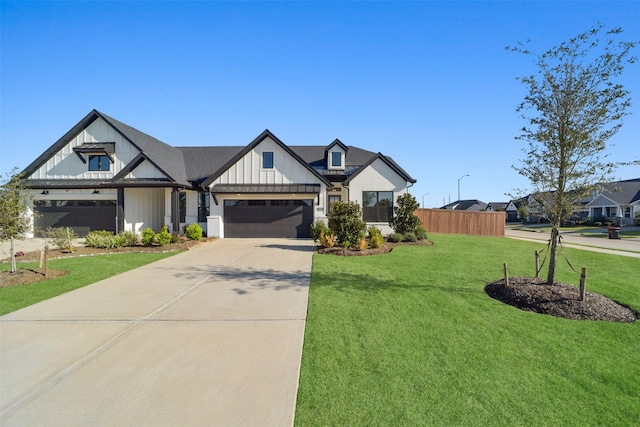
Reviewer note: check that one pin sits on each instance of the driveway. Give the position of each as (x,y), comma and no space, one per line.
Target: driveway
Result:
(209,337)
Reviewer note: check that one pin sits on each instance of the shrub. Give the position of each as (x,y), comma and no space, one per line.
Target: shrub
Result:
(403,219)
(164,237)
(421,233)
(375,237)
(362,244)
(346,223)
(395,237)
(148,236)
(62,237)
(317,228)
(129,238)
(98,239)
(410,237)
(598,224)
(327,239)
(193,232)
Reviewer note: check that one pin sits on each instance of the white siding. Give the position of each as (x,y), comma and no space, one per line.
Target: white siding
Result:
(143,208)
(65,164)
(145,170)
(377,177)
(602,201)
(286,169)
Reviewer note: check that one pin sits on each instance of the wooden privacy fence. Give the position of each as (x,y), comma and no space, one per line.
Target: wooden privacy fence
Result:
(462,222)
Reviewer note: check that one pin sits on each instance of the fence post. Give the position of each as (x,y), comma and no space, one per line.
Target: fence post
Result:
(46,262)
(583,284)
(506,274)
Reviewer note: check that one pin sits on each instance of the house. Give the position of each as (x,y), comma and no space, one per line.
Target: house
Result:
(466,205)
(618,200)
(496,206)
(106,175)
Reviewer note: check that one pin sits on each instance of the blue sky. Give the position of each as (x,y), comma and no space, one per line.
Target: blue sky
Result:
(427,83)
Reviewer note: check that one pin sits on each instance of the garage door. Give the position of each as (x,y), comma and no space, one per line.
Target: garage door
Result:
(80,215)
(268,218)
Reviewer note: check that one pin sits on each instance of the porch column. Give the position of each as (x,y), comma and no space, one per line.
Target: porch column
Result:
(120,210)
(175,213)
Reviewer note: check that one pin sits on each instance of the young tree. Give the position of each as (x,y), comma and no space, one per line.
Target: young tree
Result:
(575,103)
(345,220)
(14,201)
(404,220)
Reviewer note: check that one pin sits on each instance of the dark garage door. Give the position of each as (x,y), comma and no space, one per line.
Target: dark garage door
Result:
(80,215)
(268,218)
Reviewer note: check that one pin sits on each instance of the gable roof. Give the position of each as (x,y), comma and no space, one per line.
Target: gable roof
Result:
(622,192)
(265,134)
(167,159)
(466,205)
(339,144)
(389,162)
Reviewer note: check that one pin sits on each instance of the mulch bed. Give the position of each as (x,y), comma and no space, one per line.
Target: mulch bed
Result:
(384,249)
(559,299)
(25,276)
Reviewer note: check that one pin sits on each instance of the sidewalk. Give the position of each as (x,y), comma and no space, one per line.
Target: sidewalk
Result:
(623,247)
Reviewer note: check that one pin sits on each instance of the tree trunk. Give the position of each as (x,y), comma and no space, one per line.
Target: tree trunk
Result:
(13,256)
(552,253)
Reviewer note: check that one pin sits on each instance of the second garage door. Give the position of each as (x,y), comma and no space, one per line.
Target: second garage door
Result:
(268,218)
(80,215)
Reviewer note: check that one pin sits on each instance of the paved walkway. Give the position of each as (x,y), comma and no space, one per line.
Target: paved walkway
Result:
(594,244)
(209,337)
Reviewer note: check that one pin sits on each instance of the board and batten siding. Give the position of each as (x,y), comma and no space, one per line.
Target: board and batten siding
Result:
(602,201)
(65,164)
(248,170)
(144,208)
(145,170)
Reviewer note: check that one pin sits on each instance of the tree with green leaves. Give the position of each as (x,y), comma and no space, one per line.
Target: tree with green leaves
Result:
(14,202)
(574,105)
(345,220)
(404,219)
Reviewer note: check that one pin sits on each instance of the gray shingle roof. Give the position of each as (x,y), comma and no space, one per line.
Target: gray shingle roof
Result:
(187,166)
(623,192)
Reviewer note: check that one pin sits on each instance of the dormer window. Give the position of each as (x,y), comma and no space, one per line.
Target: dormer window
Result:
(336,159)
(335,155)
(267,160)
(99,162)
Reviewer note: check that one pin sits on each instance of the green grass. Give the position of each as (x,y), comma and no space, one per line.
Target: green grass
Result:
(410,338)
(82,271)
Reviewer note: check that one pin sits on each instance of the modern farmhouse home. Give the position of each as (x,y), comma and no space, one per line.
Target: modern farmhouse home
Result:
(106,175)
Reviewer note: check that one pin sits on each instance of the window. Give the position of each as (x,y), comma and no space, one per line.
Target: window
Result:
(336,159)
(627,211)
(182,205)
(267,159)
(332,200)
(99,163)
(377,206)
(204,203)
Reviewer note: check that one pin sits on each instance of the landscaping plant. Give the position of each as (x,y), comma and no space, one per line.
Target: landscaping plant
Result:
(193,231)
(164,237)
(62,237)
(345,220)
(404,219)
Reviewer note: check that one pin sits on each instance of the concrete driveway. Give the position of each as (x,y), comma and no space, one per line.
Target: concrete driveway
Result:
(209,337)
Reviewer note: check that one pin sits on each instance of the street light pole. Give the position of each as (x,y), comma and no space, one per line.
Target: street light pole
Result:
(425,194)
(459,185)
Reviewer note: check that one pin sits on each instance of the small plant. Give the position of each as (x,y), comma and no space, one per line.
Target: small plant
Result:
(375,238)
(421,233)
(148,236)
(103,239)
(129,238)
(62,237)
(164,237)
(317,228)
(395,237)
(362,244)
(410,237)
(345,244)
(193,232)
(598,224)
(327,239)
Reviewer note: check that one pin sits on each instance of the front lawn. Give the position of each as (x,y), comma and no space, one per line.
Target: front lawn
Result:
(410,338)
(82,271)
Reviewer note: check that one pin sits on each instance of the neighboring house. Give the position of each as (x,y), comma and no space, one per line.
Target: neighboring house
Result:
(619,200)
(534,214)
(497,206)
(466,205)
(106,175)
